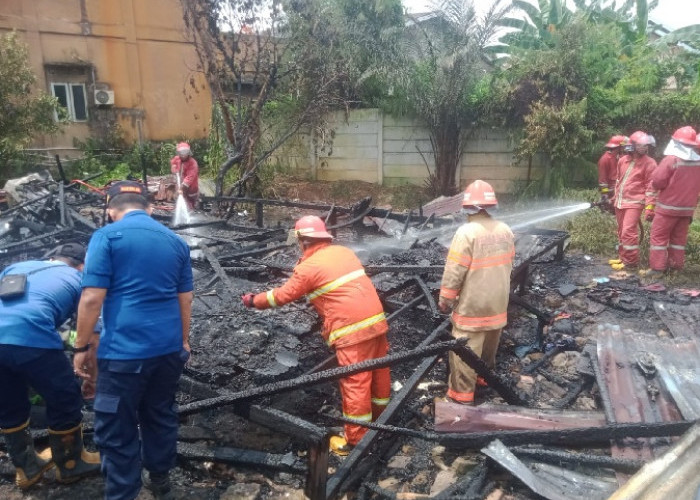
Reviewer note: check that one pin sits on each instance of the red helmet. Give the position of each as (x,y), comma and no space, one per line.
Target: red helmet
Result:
(183,148)
(686,135)
(640,138)
(311,226)
(616,141)
(479,194)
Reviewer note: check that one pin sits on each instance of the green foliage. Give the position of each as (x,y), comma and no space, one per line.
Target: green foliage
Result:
(25,112)
(594,232)
(592,79)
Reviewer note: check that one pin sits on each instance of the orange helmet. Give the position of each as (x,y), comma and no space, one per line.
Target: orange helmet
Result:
(686,135)
(478,195)
(311,226)
(616,141)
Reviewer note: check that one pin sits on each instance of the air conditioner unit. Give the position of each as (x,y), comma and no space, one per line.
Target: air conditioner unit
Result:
(104,97)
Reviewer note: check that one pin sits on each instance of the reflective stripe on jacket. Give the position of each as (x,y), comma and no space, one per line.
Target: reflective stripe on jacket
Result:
(633,188)
(332,278)
(477,274)
(679,185)
(607,172)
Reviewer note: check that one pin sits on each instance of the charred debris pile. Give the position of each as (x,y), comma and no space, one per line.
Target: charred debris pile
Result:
(595,377)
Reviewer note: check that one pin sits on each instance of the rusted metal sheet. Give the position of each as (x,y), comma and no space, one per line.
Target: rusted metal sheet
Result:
(454,417)
(634,396)
(444,205)
(673,475)
(553,483)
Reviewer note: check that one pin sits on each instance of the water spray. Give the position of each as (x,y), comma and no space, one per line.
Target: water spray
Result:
(539,216)
(182,214)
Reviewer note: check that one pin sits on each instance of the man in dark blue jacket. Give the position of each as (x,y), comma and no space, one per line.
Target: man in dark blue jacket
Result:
(138,273)
(31,354)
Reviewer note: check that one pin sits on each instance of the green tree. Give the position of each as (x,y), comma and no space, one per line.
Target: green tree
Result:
(443,79)
(277,68)
(24,111)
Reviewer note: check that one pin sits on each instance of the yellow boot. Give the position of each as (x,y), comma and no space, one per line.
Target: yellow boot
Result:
(614,261)
(29,465)
(618,267)
(72,460)
(339,445)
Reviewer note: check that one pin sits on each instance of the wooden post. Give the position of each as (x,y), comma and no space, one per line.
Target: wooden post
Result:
(317,473)
(380,147)
(259,213)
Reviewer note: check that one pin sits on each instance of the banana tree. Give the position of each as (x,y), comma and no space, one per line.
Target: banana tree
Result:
(535,30)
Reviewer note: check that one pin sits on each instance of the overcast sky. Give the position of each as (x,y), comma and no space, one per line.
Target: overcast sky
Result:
(672,14)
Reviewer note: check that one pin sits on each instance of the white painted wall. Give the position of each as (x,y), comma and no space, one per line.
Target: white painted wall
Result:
(369,146)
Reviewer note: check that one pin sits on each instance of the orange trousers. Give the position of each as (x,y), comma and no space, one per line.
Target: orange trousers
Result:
(366,394)
(628,234)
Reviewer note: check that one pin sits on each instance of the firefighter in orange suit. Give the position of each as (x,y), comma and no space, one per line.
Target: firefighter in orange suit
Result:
(633,195)
(476,285)
(607,167)
(333,279)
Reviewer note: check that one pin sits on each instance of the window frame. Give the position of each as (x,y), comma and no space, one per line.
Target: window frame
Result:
(68,86)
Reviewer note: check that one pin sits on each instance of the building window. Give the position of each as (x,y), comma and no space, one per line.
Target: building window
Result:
(72,96)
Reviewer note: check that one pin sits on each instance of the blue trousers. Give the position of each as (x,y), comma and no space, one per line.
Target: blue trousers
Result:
(50,374)
(132,396)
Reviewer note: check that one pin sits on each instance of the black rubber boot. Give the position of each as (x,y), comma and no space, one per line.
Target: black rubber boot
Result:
(71,458)
(158,484)
(30,465)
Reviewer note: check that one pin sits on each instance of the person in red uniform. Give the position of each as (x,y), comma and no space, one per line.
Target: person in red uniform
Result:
(333,279)
(633,192)
(186,167)
(607,167)
(678,180)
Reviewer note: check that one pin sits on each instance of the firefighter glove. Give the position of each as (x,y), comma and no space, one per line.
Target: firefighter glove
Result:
(649,212)
(248,299)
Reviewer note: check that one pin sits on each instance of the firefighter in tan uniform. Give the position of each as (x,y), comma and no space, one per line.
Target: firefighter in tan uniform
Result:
(476,285)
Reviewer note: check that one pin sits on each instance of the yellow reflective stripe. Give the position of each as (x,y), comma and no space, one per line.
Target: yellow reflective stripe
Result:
(346,330)
(381,401)
(271,299)
(367,417)
(329,287)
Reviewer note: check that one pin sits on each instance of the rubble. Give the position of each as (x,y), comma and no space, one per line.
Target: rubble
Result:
(257,407)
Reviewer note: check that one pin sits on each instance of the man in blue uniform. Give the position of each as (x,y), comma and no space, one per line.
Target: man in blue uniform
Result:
(138,273)
(31,354)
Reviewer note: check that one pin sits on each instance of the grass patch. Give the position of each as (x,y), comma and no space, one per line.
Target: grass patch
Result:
(593,232)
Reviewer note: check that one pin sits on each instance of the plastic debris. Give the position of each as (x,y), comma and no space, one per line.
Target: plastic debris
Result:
(601,280)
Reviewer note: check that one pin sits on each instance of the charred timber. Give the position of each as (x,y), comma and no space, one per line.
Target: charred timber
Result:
(321,207)
(40,237)
(318,378)
(565,437)
(237,456)
(428,295)
(404,269)
(556,457)
(509,394)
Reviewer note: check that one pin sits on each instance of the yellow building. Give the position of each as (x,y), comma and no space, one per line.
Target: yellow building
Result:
(113,62)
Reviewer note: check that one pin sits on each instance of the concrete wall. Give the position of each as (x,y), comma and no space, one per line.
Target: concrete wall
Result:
(369,146)
(137,47)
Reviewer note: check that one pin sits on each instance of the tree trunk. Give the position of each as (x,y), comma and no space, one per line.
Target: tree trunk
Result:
(447,149)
